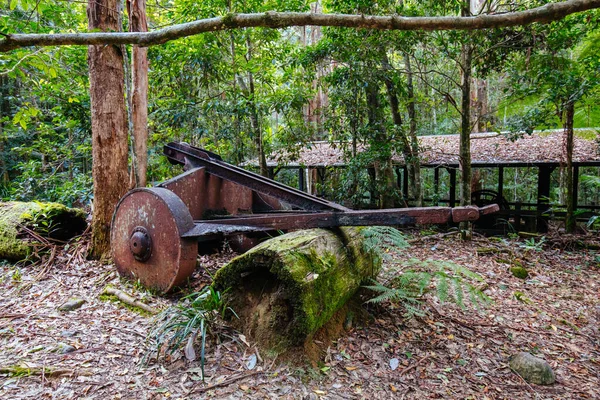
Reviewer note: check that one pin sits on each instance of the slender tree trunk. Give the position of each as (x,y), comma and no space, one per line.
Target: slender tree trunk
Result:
(109,123)
(139,99)
(482,105)
(4,112)
(414,164)
(384,170)
(570,223)
(465,134)
(254,120)
(409,157)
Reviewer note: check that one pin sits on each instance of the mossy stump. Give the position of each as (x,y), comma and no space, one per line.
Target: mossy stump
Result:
(288,287)
(51,220)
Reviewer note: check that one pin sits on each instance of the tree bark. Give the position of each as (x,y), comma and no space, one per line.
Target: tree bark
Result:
(271,19)
(288,287)
(254,118)
(465,134)
(136,10)
(414,164)
(410,158)
(570,222)
(109,124)
(4,112)
(384,170)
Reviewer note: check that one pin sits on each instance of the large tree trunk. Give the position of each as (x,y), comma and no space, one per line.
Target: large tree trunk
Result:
(288,287)
(570,222)
(109,123)
(136,10)
(48,220)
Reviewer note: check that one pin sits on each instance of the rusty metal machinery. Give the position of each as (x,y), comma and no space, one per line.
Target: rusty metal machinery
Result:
(155,231)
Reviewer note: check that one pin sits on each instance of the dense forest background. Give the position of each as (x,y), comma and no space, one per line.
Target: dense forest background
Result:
(254,93)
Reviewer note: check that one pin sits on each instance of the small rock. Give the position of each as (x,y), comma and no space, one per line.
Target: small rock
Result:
(532,369)
(64,348)
(71,305)
(68,333)
(519,272)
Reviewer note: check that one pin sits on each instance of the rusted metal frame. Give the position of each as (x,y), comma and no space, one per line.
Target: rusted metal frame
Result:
(194,157)
(391,217)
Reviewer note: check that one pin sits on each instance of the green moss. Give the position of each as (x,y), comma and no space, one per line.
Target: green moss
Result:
(519,272)
(46,219)
(319,270)
(11,215)
(114,299)
(229,20)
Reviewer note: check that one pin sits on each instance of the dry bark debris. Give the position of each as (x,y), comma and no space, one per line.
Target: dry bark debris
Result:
(447,354)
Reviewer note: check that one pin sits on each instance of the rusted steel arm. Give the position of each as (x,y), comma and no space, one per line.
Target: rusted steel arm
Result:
(390,217)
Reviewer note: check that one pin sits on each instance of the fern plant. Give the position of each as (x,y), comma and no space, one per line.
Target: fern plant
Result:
(413,277)
(379,241)
(452,283)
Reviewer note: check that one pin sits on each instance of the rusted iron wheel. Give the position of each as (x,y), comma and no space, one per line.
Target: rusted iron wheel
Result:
(146,239)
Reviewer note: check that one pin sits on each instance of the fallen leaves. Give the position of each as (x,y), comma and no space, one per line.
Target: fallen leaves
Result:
(448,353)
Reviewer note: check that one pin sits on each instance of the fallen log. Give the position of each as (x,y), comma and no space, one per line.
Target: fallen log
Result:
(288,287)
(24,225)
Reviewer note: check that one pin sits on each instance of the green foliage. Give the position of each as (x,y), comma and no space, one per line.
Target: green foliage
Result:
(379,241)
(413,277)
(452,283)
(193,316)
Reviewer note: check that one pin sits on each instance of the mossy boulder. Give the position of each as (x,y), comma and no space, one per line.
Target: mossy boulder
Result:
(532,369)
(51,220)
(288,287)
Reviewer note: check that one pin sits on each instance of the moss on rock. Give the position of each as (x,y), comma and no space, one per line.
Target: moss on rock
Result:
(519,272)
(46,219)
(288,287)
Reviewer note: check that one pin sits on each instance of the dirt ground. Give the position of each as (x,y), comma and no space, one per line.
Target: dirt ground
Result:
(449,353)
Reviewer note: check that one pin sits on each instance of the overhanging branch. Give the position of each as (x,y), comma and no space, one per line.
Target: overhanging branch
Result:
(547,13)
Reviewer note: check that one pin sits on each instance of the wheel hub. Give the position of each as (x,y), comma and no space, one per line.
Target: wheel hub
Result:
(140,243)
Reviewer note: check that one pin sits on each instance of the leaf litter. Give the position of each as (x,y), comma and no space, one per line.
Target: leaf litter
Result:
(445,353)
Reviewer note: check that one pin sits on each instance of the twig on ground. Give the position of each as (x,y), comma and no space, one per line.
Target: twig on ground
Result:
(24,370)
(12,316)
(227,382)
(127,299)
(80,351)
(415,365)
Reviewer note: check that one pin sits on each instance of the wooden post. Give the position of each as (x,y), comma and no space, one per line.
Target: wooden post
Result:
(575,187)
(373,191)
(501,181)
(452,173)
(405,183)
(543,197)
(399,179)
(436,183)
(322,173)
(301,179)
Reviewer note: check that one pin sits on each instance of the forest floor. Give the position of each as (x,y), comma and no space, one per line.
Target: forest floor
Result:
(448,353)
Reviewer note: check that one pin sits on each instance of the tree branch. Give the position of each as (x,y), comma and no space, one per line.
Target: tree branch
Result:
(272,19)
